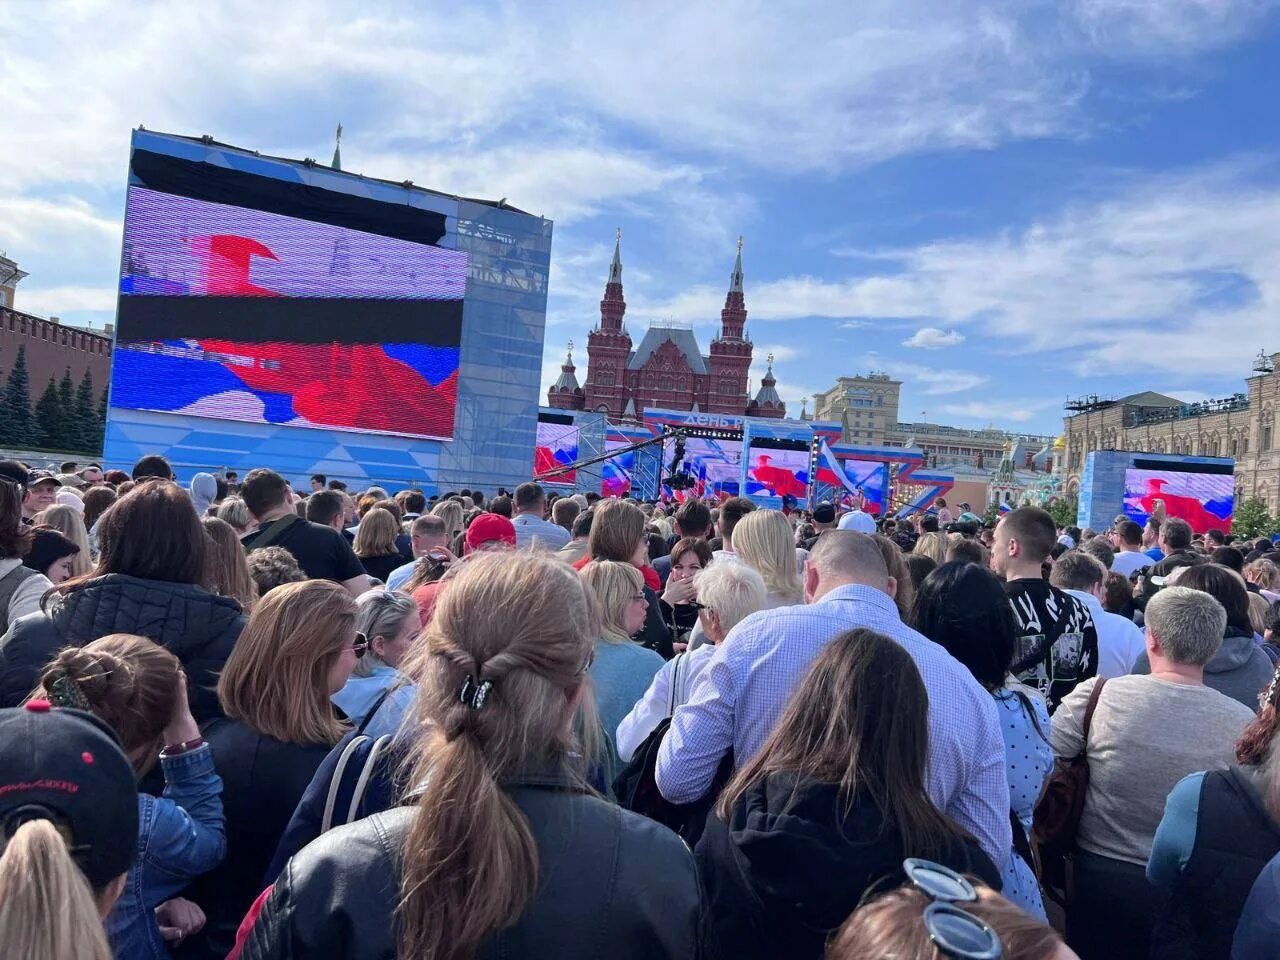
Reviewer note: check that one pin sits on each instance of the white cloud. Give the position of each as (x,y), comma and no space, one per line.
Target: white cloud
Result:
(789,87)
(931,338)
(55,301)
(993,411)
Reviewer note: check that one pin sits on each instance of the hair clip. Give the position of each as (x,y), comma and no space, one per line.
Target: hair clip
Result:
(65,692)
(474,694)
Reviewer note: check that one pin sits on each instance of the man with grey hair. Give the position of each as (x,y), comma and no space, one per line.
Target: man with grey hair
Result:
(727,593)
(745,686)
(1147,733)
(1120,640)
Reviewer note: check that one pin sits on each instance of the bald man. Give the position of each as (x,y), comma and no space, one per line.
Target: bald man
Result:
(737,699)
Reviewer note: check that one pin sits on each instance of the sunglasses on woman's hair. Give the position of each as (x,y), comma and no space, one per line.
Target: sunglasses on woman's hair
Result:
(955,932)
(360,645)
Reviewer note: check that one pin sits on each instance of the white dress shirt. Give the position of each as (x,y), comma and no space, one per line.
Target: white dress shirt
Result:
(742,691)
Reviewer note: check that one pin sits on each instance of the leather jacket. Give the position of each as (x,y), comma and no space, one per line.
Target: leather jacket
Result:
(613,886)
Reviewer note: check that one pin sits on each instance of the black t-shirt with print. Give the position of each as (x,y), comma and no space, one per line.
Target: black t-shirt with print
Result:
(1057,643)
(322,552)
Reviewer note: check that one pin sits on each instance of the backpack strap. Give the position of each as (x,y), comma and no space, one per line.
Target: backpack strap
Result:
(377,705)
(335,782)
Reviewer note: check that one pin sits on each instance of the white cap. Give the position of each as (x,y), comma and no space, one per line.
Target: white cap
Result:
(858,521)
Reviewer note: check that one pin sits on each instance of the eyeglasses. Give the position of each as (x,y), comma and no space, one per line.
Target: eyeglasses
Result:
(955,932)
(638,596)
(360,645)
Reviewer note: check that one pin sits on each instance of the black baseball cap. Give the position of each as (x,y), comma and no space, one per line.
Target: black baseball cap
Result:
(13,470)
(42,476)
(66,766)
(824,513)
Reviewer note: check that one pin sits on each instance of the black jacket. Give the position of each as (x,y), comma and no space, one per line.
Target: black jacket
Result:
(198,627)
(786,872)
(1235,838)
(613,886)
(263,780)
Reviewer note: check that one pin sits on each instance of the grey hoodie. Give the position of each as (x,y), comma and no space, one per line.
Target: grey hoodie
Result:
(1240,669)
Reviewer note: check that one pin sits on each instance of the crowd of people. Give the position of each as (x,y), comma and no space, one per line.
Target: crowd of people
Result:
(243,720)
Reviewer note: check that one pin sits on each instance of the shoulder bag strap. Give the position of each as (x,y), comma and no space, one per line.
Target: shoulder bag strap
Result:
(370,764)
(274,532)
(335,782)
(1094,696)
(677,677)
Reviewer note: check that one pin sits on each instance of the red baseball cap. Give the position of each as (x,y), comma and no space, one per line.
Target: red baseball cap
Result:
(490,528)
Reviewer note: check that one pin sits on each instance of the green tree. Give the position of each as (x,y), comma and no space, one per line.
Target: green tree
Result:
(52,417)
(67,390)
(84,417)
(1063,510)
(1251,519)
(18,426)
(102,408)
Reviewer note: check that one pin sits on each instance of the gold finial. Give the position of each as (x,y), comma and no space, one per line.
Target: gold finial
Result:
(619,235)
(770,358)
(338,135)
(739,243)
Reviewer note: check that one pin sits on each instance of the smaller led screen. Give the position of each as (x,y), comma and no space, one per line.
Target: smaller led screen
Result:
(864,483)
(1204,500)
(774,473)
(557,446)
(617,470)
(714,465)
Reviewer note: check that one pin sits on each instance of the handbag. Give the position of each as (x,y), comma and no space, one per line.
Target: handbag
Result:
(636,786)
(1057,815)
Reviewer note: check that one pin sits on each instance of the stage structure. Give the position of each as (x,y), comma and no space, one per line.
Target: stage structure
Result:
(1200,490)
(280,313)
(726,456)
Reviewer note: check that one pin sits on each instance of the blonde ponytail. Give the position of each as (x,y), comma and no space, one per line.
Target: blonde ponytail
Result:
(47,910)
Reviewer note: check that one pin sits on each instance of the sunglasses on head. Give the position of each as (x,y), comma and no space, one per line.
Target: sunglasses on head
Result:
(955,932)
(360,645)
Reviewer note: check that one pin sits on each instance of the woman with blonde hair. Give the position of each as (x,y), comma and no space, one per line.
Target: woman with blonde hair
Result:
(618,534)
(68,522)
(376,543)
(932,545)
(450,511)
(1264,575)
(66,852)
(228,567)
(297,651)
(498,847)
(234,511)
(763,540)
(138,689)
(622,669)
(391,623)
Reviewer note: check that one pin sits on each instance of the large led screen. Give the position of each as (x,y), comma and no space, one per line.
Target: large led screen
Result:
(714,465)
(1204,500)
(775,473)
(239,313)
(557,446)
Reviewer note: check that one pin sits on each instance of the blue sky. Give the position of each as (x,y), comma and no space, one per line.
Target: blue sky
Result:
(1001,203)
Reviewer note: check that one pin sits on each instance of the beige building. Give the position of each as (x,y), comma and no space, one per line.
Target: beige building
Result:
(1241,427)
(866,407)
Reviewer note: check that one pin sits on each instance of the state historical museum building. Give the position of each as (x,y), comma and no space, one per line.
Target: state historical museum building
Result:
(668,370)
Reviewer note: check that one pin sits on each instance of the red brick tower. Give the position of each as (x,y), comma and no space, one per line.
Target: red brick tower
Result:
(730,352)
(608,346)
